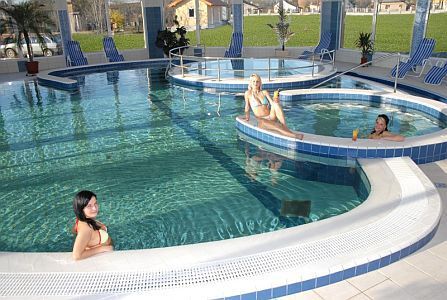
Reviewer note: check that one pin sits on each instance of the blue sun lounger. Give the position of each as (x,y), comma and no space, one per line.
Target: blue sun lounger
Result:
(320,49)
(419,58)
(110,50)
(436,74)
(235,49)
(75,57)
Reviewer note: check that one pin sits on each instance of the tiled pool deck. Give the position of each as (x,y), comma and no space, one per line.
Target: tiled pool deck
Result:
(270,260)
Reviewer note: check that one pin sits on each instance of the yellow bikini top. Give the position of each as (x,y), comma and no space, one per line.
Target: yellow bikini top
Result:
(103,236)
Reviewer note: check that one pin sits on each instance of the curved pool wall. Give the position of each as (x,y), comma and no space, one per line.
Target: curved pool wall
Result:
(60,78)
(391,224)
(239,84)
(422,149)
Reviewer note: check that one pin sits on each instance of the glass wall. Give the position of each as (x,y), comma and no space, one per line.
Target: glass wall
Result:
(89,26)
(394,24)
(9,47)
(436,27)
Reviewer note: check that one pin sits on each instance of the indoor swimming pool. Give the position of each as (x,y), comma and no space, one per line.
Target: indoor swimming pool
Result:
(166,163)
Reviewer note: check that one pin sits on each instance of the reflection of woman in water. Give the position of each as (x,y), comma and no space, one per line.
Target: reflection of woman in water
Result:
(268,112)
(380,130)
(254,163)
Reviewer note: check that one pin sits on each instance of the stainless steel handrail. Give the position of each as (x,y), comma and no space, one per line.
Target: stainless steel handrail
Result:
(175,53)
(383,57)
(397,71)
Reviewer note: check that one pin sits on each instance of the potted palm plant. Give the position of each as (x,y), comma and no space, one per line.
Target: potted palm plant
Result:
(281,28)
(366,46)
(29,18)
(169,39)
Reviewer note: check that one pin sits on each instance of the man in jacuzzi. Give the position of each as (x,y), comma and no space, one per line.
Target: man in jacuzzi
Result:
(380,130)
(268,112)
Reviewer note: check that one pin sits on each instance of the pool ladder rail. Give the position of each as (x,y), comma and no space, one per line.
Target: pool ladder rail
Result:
(380,58)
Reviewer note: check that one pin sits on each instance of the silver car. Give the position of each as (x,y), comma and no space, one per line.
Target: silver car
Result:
(9,49)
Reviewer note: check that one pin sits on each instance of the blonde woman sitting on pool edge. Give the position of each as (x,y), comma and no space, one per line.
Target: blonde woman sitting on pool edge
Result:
(380,130)
(268,112)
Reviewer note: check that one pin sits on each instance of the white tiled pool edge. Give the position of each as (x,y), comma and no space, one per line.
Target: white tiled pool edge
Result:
(398,218)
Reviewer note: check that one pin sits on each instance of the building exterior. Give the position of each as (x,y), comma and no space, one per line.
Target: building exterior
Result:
(289,7)
(251,9)
(392,5)
(211,13)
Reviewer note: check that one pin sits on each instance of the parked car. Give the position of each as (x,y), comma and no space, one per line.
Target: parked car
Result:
(9,47)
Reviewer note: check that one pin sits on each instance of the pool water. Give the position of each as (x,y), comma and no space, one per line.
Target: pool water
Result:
(340,118)
(165,162)
(243,68)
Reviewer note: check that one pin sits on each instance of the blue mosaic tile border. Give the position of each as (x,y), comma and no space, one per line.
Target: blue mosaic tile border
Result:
(84,70)
(313,283)
(343,97)
(420,154)
(240,87)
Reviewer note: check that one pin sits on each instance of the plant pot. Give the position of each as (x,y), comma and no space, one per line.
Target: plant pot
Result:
(32,67)
(363,60)
(281,53)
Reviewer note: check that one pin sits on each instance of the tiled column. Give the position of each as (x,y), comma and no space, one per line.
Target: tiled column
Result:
(64,22)
(152,22)
(238,16)
(331,20)
(420,23)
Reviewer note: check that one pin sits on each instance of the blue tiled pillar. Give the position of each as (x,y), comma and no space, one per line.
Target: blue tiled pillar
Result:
(152,22)
(331,20)
(420,23)
(238,16)
(64,22)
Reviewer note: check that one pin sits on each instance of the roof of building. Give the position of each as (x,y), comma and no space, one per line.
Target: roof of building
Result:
(251,4)
(175,3)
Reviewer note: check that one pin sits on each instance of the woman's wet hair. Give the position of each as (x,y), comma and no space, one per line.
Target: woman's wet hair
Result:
(80,201)
(386,119)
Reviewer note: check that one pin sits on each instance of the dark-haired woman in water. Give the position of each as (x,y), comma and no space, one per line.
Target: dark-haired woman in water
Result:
(91,235)
(380,130)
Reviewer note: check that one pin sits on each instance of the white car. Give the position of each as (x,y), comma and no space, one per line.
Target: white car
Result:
(50,48)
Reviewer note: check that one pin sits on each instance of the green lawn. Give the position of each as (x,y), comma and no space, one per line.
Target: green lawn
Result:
(93,42)
(394,33)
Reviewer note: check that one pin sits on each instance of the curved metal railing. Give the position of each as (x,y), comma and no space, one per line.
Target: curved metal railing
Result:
(184,62)
(383,57)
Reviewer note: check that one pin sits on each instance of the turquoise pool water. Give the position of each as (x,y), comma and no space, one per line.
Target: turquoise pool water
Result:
(243,68)
(340,118)
(165,162)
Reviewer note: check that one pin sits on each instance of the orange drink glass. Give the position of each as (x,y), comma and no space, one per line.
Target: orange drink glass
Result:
(355,133)
(276,94)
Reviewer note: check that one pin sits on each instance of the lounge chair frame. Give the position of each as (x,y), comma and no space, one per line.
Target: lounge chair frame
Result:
(110,50)
(75,56)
